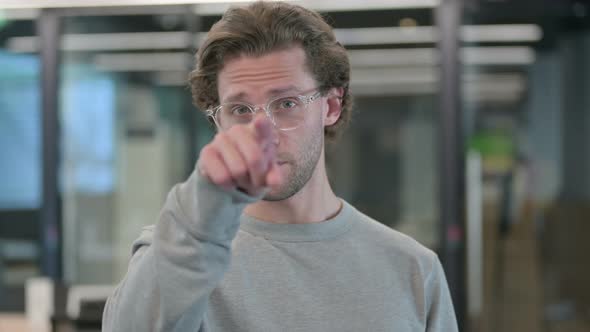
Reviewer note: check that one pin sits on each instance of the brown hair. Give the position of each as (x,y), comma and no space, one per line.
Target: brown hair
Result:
(263,27)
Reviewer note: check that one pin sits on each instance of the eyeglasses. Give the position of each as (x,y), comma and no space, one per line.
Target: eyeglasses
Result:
(286,113)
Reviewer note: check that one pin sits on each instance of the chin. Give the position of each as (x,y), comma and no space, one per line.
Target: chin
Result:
(277,195)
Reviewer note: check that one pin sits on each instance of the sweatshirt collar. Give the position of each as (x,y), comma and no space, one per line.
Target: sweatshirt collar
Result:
(311,232)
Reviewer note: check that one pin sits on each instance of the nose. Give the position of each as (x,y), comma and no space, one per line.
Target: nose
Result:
(257,111)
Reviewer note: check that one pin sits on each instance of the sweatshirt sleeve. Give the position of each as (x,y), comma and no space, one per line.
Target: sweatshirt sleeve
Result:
(177,263)
(441,315)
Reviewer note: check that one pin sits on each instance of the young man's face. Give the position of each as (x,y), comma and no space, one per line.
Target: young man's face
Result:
(256,80)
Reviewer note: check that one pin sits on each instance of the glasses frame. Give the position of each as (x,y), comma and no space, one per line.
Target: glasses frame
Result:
(306,98)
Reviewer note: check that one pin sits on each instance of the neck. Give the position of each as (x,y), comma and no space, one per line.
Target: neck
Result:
(315,202)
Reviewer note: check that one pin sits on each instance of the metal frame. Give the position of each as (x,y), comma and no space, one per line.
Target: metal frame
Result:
(126,10)
(451,154)
(51,227)
(193,26)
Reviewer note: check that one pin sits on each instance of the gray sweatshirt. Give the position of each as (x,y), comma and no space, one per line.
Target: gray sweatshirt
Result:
(205,266)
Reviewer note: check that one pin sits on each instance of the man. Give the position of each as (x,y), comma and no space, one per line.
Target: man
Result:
(256,240)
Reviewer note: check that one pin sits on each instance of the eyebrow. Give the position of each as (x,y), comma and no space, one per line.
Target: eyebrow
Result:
(272,93)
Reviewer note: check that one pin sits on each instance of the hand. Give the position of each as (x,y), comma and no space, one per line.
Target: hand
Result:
(243,157)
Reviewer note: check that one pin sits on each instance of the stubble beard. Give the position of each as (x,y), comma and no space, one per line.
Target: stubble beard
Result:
(300,169)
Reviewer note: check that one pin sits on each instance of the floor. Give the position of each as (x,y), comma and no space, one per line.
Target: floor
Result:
(13,323)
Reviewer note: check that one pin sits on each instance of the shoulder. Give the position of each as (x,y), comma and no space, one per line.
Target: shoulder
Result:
(396,246)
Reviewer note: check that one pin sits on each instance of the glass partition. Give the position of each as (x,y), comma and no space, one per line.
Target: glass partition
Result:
(126,132)
(20,165)
(385,163)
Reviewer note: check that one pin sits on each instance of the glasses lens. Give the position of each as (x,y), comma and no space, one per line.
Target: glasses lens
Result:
(233,114)
(287,112)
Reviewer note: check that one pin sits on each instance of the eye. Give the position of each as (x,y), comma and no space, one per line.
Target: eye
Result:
(288,103)
(240,109)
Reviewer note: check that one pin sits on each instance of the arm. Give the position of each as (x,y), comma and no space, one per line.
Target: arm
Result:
(441,315)
(176,265)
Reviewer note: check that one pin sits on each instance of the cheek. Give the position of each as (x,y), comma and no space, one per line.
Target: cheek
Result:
(315,118)
(293,142)
(298,141)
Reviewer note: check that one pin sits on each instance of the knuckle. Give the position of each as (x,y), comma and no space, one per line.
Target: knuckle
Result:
(220,177)
(255,160)
(240,171)
(220,137)
(222,180)
(225,180)
(206,152)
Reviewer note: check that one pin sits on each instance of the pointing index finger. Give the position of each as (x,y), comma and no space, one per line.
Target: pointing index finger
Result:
(263,128)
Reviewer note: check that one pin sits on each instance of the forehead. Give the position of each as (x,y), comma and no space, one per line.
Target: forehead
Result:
(255,77)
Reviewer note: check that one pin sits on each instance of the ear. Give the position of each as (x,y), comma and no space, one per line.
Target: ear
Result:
(334,110)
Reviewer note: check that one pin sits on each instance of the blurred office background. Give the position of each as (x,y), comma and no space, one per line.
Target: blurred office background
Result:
(471,133)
